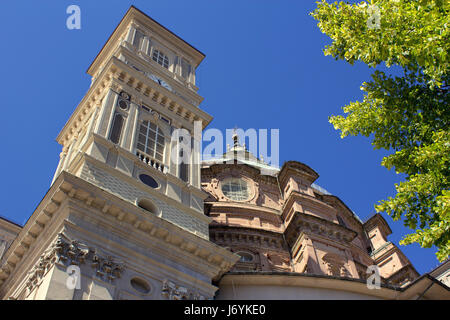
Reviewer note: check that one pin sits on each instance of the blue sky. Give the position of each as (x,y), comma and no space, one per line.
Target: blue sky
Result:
(264,68)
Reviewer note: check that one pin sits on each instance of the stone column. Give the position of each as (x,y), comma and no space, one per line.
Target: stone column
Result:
(90,126)
(111,115)
(351,264)
(126,140)
(130,34)
(134,110)
(313,261)
(100,127)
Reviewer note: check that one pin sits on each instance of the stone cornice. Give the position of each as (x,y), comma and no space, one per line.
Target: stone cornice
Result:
(110,73)
(10,226)
(120,210)
(247,236)
(218,260)
(295,168)
(82,158)
(157,70)
(214,169)
(148,23)
(306,223)
(377,220)
(334,200)
(407,272)
(304,198)
(235,207)
(125,153)
(147,85)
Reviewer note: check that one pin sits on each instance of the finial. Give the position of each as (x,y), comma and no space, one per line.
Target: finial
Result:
(235,139)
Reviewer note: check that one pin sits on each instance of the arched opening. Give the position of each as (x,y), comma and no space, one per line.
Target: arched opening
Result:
(148,205)
(116,128)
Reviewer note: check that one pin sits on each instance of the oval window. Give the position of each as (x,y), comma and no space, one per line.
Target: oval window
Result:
(149,181)
(140,285)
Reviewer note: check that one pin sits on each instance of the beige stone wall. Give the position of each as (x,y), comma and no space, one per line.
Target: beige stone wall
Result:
(8,232)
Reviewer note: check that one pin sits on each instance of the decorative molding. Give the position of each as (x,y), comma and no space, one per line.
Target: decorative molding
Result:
(66,252)
(173,291)
(306,223)
(106,267)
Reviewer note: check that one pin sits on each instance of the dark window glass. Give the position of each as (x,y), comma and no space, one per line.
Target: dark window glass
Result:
(116,128)
(184,172)
(123,104)
(148,181)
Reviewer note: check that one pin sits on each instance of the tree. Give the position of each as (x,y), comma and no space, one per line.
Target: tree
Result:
(408,114)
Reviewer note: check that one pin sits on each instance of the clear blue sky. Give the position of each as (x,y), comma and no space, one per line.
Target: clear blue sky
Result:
(264,68)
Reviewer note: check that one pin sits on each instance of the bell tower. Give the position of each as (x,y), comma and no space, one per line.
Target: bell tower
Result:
(125,207)
(141,105)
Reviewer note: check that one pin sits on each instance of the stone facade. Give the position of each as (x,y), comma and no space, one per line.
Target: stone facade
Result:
(126,219)
(122,215)
(287,224)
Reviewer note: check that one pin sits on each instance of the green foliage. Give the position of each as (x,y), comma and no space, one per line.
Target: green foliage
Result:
(408,115)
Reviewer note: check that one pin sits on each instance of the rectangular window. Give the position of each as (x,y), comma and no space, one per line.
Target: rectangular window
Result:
(151,140)
(116,129)
(184,172)
(160,58)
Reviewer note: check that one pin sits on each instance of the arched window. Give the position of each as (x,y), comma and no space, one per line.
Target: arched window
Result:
(147,205)
(151,140)
(116,129)
(160,58)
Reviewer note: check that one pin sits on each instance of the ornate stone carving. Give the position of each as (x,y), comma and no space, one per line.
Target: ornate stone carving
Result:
(71,252)
(172,291)
(106,267)
(336,265)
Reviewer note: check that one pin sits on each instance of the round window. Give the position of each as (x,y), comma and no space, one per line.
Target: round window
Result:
(140,285)
(149,181)
(235,189)
(123,104)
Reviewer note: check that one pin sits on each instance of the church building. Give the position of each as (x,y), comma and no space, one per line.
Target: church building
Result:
(126,219)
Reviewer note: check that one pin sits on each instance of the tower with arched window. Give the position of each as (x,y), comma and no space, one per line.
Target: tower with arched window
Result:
(124,213)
